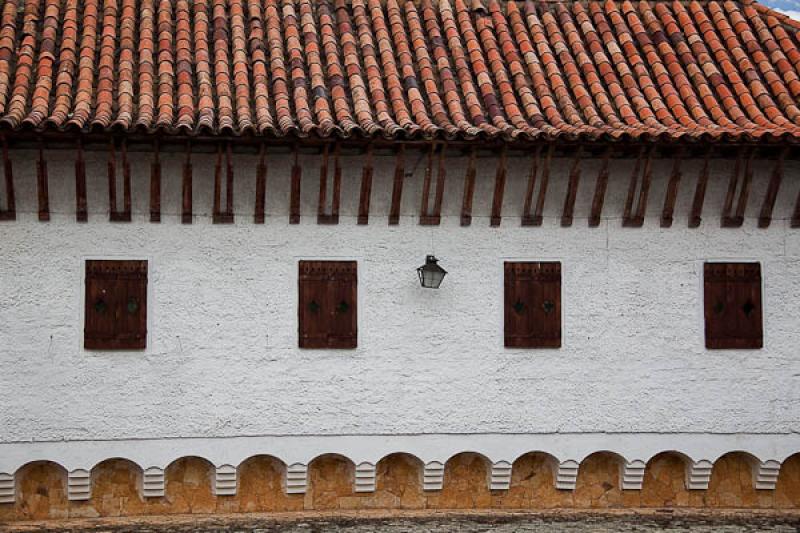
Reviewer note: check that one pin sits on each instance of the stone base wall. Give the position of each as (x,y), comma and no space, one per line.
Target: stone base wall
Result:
(116,487)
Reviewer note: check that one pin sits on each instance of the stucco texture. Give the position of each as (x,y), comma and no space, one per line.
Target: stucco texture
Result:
(222,357)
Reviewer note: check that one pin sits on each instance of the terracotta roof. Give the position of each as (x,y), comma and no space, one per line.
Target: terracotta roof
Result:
(402,68)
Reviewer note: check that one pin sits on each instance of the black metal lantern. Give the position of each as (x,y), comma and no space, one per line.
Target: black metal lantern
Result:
(431,274)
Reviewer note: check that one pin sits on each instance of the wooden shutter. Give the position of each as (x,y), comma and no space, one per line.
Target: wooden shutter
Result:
(532,310)
(115,316)
(732,305)
(327,304)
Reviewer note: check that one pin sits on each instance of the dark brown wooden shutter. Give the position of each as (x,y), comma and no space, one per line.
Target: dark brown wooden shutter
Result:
(115,316)
(732,302)
(328,304)
(532,310)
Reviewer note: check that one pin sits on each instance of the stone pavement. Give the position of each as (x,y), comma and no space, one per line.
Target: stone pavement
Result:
(453,522)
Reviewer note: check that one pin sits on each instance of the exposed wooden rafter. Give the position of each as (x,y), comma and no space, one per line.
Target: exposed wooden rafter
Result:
(81,210)
(397,186)
(739,183)
(730,219)
(634,218)
(114,215)
(333,216)
(672,190)
(499,189)
(186,188)
(765,218)
(428,217)
(538,213)
(155,184)
(261,185)
(294,195)
(527,219)
(365,195)
(469,189)
(572,189)
(600,191)
(10,210)
(42,186)
(696,214)
(219,216)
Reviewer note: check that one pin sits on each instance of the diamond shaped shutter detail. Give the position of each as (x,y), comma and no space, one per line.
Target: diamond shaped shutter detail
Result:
(532,305)
(732,305)
(328,301)
(115,315)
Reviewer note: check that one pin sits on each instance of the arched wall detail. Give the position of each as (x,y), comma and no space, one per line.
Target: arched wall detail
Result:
(466,483)
(361,476)
(189,485)
(331,483)
(399,482)
(599,481)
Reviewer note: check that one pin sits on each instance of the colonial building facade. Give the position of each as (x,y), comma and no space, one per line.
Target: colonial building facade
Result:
(217,217)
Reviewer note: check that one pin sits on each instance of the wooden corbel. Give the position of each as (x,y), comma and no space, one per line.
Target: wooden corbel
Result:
(81,212)
(155,184)
(294,196)
(729,218)
(261,185)
(499,188)
(634,217)
(186,208)
(600,190)
(42,185)
(113,214)
(433,217)
(572,189)
(397,188)
(366,188)
(469,189)
(333,216)
(219,216)
(765,218)
(10,211)
(696,214)
(672,190)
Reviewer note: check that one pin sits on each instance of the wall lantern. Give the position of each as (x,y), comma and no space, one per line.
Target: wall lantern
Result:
(431,274)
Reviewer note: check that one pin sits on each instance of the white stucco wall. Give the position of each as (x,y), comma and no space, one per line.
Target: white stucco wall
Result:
(222,357)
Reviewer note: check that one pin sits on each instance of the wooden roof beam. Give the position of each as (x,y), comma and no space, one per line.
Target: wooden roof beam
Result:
(42,185)
(219,216)
(469,189)
(499,188)
(10,211)
(600,191)
(696,214)
(365,196)
(572,189)
(114,215)
(397,187)
(294,195)
(729,219)
(186,186)
(261,185)
(672,191)
(765,218)
(81,211)
(333,216)
(527,219)
(635,218)
(155,184)
(427,216)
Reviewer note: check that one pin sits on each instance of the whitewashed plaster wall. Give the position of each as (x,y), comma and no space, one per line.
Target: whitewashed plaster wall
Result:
(222,357)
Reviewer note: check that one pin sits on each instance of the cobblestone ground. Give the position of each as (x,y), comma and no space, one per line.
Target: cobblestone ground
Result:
(583,524)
